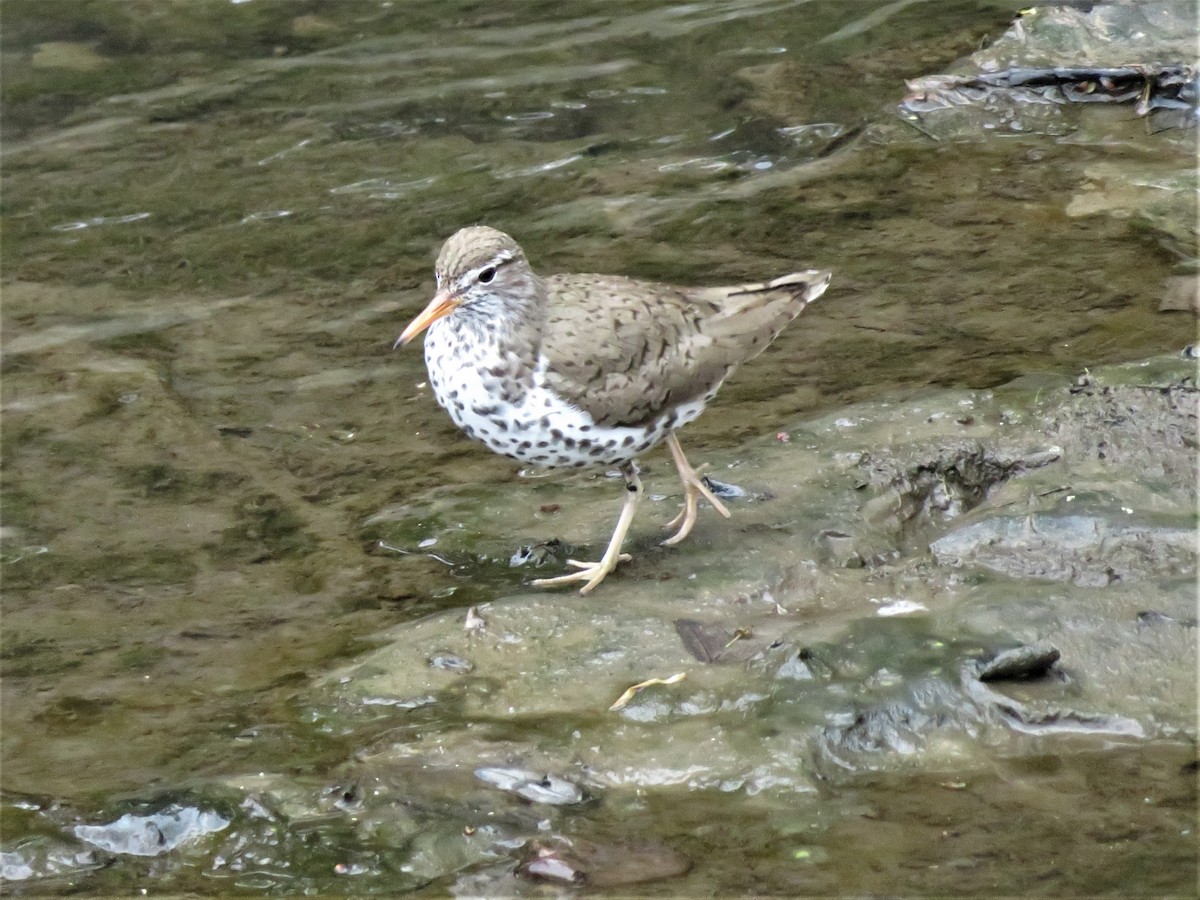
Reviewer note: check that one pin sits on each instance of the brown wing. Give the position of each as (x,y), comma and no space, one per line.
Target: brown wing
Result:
(626,351)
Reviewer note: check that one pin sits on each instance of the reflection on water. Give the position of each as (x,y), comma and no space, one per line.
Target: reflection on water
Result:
(218,215)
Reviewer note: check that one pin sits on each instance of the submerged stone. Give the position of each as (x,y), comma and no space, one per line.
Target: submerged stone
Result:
(153,834)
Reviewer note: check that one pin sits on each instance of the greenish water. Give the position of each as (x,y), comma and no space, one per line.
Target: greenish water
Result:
(217,217)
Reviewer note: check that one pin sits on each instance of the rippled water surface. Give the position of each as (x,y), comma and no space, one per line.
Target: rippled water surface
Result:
(218,216)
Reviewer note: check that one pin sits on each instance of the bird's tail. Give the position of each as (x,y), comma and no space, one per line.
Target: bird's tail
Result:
(752,315)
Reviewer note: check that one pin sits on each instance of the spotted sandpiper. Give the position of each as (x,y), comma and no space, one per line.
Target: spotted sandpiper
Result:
(568,371)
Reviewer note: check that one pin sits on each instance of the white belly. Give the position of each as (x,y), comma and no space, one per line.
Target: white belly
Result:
(533,425)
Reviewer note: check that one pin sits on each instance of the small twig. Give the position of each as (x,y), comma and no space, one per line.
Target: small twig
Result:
(633,691)
(386,546)
(928,134)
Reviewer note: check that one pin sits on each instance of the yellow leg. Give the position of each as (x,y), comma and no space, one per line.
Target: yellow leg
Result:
(693,488)
(594,572)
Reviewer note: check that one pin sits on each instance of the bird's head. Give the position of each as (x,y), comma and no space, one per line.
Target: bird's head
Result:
(481,274)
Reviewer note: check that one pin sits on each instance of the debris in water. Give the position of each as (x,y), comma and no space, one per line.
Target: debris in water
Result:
(537,555)
(738,635)
(633,691)
(550,864)
(724,490)
(384,545)
(705,642)
(451,663)
(474,621)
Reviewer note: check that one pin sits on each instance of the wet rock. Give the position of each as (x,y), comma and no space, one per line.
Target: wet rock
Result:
(381,829)
(534,787)
(1055,56)
(1032,661)
(1150,88)
(1041,716)
(799,666)
(1152,196)
(928,724)
(496,880)
(1141,417)
(828,677)
(840,548)
(1084,550)
(1061,722)
(153,834)
(40,858)
(1152,618)
(950,482)
(601,865)
(787,660)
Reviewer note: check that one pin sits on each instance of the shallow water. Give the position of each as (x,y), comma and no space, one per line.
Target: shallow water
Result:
(217,217)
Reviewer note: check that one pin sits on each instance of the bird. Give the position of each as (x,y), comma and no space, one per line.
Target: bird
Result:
(573,371)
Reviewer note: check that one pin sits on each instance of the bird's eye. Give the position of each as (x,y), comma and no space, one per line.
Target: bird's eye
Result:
(486,276)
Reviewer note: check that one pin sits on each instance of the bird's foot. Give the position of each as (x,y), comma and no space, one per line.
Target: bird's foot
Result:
(591,572)
(688,500)
(684,520)
(694,488)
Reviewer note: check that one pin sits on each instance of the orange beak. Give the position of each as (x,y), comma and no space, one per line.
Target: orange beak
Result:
(442,304)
